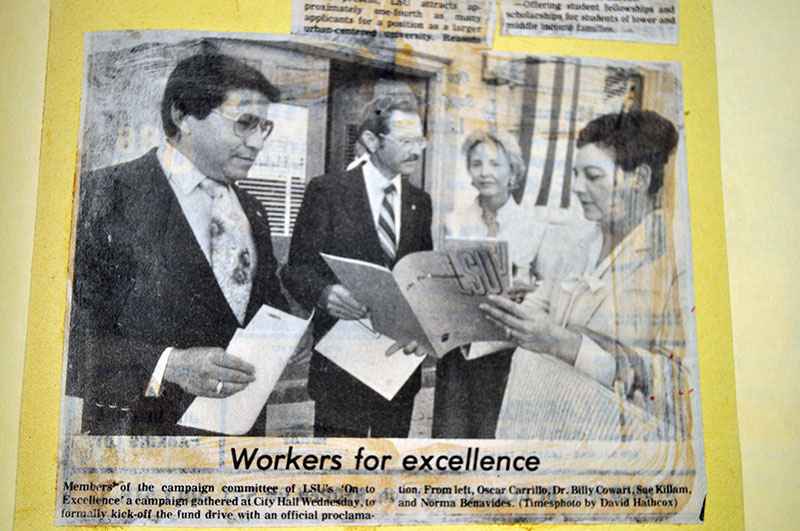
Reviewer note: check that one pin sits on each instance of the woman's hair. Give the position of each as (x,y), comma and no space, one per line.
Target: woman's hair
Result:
(503,141)
(634,138)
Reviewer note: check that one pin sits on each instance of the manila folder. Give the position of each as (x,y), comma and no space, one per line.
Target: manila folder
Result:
(375,287)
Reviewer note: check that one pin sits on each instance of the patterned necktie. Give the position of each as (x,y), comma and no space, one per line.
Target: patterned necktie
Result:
(386,226)
(230,252)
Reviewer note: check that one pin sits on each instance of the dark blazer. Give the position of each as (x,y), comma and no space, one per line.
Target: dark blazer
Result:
(142,284)
(336,219)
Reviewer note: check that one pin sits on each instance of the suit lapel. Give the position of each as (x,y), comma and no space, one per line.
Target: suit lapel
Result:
(409,210)
(180,252)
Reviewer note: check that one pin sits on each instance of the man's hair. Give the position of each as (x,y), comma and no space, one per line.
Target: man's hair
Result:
(634,138)
(377,112)
(501,140)
(200,84)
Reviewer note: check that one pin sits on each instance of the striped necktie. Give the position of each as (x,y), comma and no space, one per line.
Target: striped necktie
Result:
(386,225)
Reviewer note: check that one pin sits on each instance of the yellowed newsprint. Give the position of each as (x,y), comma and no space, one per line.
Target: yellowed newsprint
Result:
(651,21)
(450,21)
(216,168)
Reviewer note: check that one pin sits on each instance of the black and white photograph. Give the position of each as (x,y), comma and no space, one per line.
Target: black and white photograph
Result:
(345,244)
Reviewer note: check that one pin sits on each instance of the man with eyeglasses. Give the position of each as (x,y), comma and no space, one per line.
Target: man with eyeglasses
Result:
(369,213)
(171,257)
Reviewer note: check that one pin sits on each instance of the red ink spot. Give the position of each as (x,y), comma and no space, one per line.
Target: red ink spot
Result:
(680,393)
(690,390)
(671,355)
(652,398)
(693,307)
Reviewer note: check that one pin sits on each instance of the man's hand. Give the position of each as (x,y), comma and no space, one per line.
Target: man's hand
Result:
(208,371)
(532,328)
(338,302)
(302,352)
(409,348)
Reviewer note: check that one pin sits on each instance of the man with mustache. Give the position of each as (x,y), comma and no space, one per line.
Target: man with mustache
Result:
(171,258)
(369,213)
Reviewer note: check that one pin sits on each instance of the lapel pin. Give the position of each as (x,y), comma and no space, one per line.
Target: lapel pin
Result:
(413,207)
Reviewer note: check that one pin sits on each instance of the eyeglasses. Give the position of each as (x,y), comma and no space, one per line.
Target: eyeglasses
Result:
(419,142)
(245,124)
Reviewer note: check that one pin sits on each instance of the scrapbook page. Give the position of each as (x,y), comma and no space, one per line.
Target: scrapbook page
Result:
(218,171)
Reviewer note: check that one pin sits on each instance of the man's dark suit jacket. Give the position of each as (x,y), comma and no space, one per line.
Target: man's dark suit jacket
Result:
(142,284)
(335,218)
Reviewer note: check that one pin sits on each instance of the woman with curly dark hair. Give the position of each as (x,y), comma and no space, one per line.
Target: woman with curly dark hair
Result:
(602,340)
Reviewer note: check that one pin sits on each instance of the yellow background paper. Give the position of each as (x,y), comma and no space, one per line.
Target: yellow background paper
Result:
(757,86)
(759,116)
(23,51)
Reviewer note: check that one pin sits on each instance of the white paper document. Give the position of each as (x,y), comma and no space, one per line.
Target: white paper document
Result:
(268,342)
(357,348)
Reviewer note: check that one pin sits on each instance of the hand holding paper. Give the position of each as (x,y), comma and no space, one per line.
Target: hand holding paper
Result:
(431,297)
(266,344)
(408,348)
(208,371)
(337,301)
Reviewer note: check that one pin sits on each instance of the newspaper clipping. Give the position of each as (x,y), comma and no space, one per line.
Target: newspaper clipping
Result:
(341,279)
(454,21)
(654,21)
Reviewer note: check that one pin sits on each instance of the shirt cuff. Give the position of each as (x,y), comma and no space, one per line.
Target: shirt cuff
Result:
(595,362)
(154,386)
(484,348)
